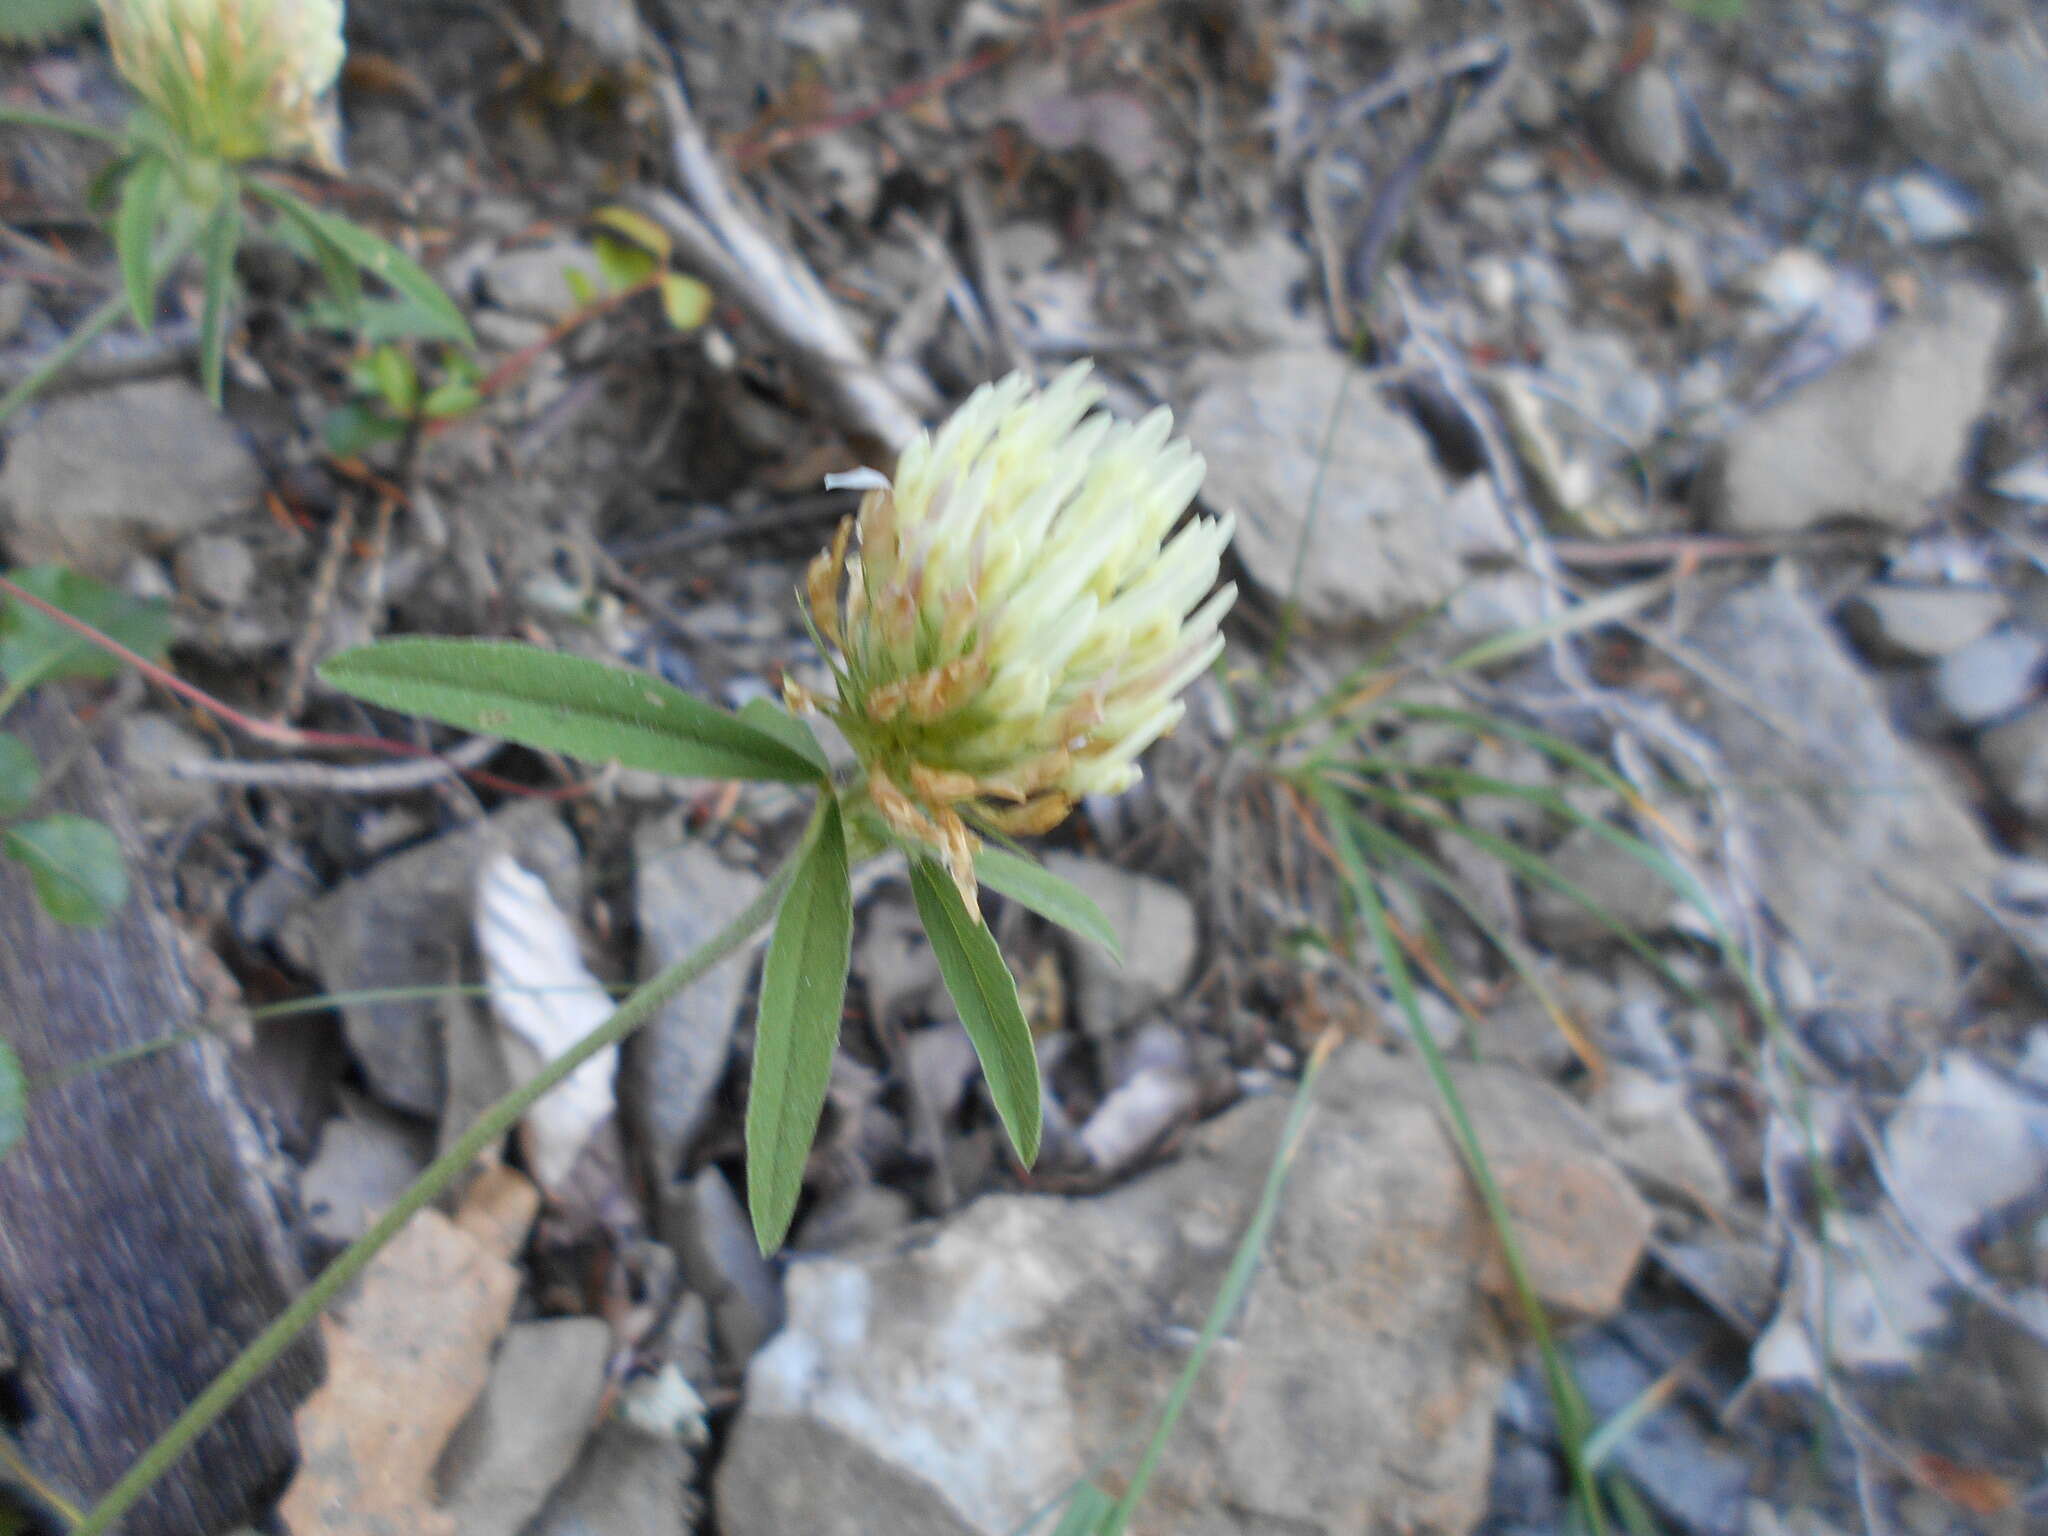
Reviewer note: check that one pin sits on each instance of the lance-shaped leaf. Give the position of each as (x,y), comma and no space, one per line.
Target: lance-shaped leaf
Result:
(566,704)
(985,995)
(1039,889)
(74,864)
(803,990)
(377,257)
(142,194)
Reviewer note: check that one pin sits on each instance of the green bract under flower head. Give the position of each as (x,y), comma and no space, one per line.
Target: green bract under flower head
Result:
(233,79)
(1017,626)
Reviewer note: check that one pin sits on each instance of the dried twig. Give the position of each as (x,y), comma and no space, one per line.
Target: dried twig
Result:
(325,576)
(329,778)
(721,238)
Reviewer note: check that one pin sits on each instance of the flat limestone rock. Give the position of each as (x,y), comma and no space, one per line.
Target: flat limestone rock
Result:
(952,1384)
(1387,539)
(93,479)
(1878,437)
(1865,855)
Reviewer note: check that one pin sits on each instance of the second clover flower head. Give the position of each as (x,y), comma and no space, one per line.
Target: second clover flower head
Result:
(232,79)
(1015,625)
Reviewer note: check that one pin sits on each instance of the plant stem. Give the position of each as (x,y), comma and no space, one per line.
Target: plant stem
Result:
(29,117)
(262,1351)
(66,352)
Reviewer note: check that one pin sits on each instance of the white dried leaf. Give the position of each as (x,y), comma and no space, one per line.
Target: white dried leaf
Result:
(547,1000)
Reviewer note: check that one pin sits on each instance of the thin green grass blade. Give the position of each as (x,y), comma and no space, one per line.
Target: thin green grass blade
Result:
(1237,1280)
(1533,868)
(1621,603)
(803,992)
(1380,842)
(985,995)
(1037,888)
(1567,1402)
(565,704)
(1088,1513)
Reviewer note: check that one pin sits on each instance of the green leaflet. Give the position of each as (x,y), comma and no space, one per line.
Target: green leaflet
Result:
(803,990)
(986,996)
(1056,900)
(566,704)
(75,866)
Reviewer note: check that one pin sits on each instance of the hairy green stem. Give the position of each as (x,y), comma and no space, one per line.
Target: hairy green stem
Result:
(65,353)
(262,1351)
(29,117)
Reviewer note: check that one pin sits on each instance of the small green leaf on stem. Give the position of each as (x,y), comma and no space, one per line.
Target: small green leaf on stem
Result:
(223,237)
(636,227)
(565,704)
(803,990)
(75,866)
(20,775)
(396,383)
(35,648)
(985,994)
(379,258)
(685,302)
(1057,901)
(135,225)
(623,265)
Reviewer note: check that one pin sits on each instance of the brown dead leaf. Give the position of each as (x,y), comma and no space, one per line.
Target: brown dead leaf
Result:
(1974,1489)
(405,1360)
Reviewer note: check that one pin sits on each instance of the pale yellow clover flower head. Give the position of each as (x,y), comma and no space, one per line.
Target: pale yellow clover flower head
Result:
(233,79)
(1017,625)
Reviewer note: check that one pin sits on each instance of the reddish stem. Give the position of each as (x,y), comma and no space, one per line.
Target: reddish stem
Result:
(269,731)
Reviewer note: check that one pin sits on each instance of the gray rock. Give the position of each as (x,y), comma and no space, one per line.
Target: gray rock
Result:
(1154,922)
(1877,437)
(1923,623)
(684,893)
(1252,295)
(1861,849)
(92,480)
(861,1214)
(1990,677)
(1578,420)
(1382,544)
(1646,129)
(367,1157)
(534,280)
(1625,887)
(15,297)
(216,569)
(626,1484)
(2016,755)
(953,1384)
(1692,1479)
(151,747)
(1977,106)
(1649,1128)
(528,1427)
(406,922)
(702,1220)
(1919,209)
